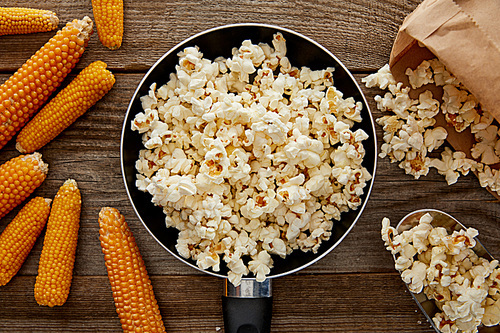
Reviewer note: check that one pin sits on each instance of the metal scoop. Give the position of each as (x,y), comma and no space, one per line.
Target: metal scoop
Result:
(439,219)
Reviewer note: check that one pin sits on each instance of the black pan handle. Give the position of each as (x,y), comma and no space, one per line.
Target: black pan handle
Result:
(248,307)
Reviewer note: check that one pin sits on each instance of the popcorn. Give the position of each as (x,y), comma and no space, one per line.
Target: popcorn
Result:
(149,101)
(421,75)
(459,106)
(397,100)
(445,268)
(415,164)
(236,271)
(388,234)
(452,164)
(434,138)
(143,121)
(390,124)
(485,120)
(444,323)
(489,177)
(409,133)
(487,146)
(491,316)
(382,79)
(260,265)
(441,75)
(415,276)
(428,107)
(250,157)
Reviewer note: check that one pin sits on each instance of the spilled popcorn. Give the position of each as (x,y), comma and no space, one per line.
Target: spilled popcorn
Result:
(465,287)
(410,132)
(249,156)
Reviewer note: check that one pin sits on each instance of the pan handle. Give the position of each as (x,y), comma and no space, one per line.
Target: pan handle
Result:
(248,307)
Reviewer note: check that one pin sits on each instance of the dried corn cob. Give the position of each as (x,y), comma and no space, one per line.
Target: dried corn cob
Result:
(28,88)
(18,238)
(15,20)
(108,15)
(132,290)
(55,269)
(19,177)
(70,103)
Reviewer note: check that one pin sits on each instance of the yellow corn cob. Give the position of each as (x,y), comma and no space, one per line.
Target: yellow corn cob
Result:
(70,103)
(18,238)
(55,269)
(108,16)
(135,301)
(15,20)
(19,177)
(28,88)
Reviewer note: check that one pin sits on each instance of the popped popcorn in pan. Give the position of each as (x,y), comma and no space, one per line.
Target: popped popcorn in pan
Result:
(250,156)
(464,286)
(410,134)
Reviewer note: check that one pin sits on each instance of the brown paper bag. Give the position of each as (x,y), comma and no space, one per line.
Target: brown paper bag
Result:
(465,36)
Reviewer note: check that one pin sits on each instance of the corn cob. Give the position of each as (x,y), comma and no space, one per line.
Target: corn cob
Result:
(28,88)
(108,16)
(15,20)
(55,269)
(19,177)
(18,238)
(70,103)
(133,294)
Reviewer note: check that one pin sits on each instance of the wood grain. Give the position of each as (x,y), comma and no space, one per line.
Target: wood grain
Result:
(353,289)
(193,304)
(359,32)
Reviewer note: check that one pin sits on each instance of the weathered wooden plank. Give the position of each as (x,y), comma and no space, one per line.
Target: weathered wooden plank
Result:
(318,303)
(353,289)
(359,32)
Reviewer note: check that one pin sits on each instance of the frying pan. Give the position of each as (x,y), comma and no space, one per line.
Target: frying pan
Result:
(247,308)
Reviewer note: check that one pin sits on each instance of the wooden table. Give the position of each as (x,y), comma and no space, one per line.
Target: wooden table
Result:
(353,289)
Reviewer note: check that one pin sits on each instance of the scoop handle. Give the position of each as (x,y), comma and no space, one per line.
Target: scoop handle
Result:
(248,307)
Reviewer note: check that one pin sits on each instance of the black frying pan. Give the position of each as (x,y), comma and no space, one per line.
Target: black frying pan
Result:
(301,51)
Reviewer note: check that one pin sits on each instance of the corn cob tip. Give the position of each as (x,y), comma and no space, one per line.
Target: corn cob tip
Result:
(107,211)
(104,210)
(42,166)
(48,201)
(20,148)
(71,182)
(84,25)
(52,18)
